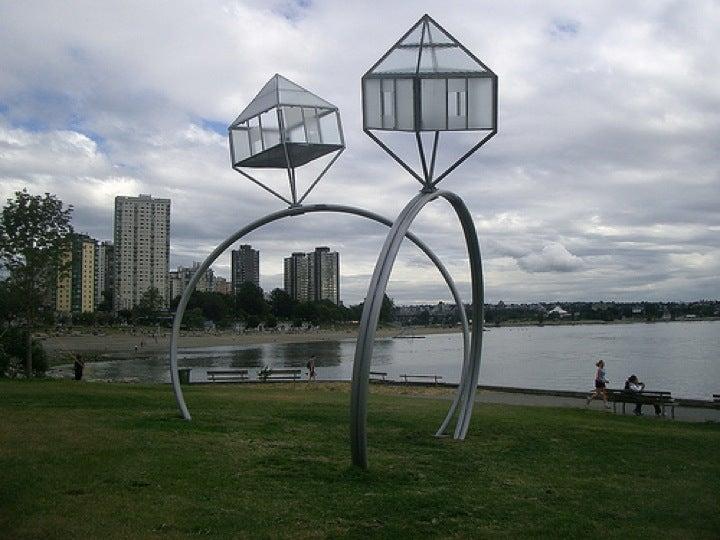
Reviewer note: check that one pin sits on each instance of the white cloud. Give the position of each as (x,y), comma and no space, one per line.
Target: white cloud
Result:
(607,109)
(551,258)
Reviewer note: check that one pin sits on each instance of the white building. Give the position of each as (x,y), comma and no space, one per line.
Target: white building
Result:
(142,249)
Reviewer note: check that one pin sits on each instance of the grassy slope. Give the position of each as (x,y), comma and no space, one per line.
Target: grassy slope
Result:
(96,460)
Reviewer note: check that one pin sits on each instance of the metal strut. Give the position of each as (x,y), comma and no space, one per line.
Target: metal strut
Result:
(465,396)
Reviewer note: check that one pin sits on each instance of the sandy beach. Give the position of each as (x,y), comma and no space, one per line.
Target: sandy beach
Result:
(116,343)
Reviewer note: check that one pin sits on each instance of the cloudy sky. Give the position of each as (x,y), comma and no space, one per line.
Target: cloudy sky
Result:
(602,183)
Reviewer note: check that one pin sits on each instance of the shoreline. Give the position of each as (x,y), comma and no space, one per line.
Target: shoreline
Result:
(111,341)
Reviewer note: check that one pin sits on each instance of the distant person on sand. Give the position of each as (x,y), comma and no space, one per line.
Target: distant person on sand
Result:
(633,385)
(78,366)
(600,382)
(311,368)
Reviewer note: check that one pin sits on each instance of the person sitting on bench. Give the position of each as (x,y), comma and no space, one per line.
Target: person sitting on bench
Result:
(633,385)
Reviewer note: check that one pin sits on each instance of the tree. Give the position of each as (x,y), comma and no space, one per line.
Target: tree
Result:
(34,233)
(149,305)
(249,301)
(281,304)
(386,311)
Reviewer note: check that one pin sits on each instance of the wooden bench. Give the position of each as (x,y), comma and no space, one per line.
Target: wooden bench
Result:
(227,375)
(280,374)
(646,397)
(379,376)
(436,378)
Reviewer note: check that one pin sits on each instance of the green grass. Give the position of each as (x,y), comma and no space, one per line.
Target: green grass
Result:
(84,460)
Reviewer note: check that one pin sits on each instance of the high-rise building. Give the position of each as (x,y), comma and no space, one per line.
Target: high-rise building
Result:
(313,276)
(179,279)
(142,249)
(324,275)
(104,271)
(222,285)
(296,272)
(245,267)
(76,287)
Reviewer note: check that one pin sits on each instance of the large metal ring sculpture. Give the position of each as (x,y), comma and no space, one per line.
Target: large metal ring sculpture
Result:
(427,82)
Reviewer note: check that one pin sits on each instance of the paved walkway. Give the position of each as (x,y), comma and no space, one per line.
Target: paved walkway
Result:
(684,414)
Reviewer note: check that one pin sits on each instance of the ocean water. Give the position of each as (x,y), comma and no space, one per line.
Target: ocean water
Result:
(681,357)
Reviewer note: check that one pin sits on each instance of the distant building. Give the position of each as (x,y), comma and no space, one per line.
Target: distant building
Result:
(245,267)
(324,274)
(104,271)
(179,279)
(296,276)
(222,285)
(313,276)
(142,249)
(75,292)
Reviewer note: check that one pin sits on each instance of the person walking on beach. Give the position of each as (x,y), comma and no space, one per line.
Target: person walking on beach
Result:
(78,366)
(311,368)
(600,382)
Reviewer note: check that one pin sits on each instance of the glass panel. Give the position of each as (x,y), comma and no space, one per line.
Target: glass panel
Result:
(388,103)
(293,123)
(434,102)
(480,103)
(434,35)
(329,127)
(413,38)
(447,59)
(255,138)
(312,127)
(372,104)
(293,94)
(270,128)
(405,104)
(399,61)
(240,143)
(456,104)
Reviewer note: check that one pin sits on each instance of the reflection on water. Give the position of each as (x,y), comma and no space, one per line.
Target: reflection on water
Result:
(683,358)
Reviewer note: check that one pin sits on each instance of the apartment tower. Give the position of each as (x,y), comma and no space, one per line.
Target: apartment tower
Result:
(142,249)
(75,291)
(313,276)
(296,273)
(324,275)
(245,266)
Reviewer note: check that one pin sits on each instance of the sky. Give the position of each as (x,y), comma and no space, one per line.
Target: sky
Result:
(603,182)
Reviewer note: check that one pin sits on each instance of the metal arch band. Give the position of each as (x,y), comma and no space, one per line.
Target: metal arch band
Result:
(465,395)
(296,211)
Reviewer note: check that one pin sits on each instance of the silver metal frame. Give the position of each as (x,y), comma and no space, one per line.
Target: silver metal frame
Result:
(427,175)
(465,395)
(297,211)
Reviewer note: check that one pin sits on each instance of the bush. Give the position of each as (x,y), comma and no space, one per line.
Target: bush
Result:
(14,343)
(4,362)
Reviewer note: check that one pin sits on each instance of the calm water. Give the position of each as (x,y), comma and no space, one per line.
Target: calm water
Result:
(682,357)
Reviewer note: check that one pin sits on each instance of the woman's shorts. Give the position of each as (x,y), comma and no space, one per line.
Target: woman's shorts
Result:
(600,384)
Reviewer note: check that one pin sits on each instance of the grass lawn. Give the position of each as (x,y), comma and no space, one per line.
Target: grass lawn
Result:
(83,460)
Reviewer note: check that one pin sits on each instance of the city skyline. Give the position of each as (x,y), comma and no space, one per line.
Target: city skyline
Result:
(602,182)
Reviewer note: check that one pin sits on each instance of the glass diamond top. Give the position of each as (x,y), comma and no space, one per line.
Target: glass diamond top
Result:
(281,91)
(427,49)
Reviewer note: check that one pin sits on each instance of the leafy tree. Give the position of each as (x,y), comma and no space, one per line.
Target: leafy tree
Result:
(194,318)
(250,301)
(34,233)
(150,305)
(281,304)
(386,311)
(14,341)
